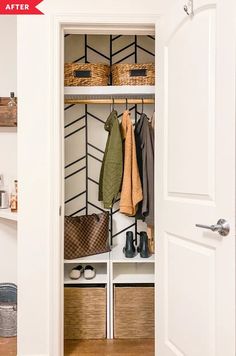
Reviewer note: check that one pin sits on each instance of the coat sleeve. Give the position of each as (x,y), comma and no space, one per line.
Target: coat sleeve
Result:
(150,176)
(113,167)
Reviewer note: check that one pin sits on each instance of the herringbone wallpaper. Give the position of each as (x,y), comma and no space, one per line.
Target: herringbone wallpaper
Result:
(85,137)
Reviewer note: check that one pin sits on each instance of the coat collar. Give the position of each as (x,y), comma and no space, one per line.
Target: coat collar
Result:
(110,120)
(143,121)
(126,123)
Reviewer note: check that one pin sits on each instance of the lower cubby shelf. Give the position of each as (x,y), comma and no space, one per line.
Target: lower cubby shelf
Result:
(101,276)
(133,273)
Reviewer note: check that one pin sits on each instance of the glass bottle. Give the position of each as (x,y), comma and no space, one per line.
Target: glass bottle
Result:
(14,198)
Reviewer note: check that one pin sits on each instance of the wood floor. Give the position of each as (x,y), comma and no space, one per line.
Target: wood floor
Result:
(8,346)
(92,347)
(109,347)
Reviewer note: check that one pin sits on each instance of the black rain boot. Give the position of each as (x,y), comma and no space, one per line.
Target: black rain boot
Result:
(129,249)
(143,248)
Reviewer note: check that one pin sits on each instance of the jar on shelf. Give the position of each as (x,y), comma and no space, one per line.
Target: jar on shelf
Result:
(14,197)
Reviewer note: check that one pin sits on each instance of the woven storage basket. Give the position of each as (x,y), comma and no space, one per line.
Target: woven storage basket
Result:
(133,74)
(86,74)
(85,313)
(133,312)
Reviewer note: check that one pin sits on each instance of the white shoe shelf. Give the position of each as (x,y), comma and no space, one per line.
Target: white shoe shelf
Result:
(113,268)
(100,278)
(122,269)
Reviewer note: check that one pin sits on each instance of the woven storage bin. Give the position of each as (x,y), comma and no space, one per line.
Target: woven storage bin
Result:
(133,74)
(86,74)
(133,312)
(8,309)
(85,313)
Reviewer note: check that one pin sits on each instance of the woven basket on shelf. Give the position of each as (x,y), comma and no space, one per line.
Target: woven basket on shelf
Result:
(133,74)
(85,313)
(86,74)
(133,312)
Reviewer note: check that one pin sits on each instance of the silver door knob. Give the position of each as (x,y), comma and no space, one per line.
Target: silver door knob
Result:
(222,227)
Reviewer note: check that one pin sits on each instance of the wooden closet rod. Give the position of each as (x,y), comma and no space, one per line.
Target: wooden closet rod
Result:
(109,101)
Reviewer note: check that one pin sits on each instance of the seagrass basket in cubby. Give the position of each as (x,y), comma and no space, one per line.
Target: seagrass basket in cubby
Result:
(86,74)
(133,74)
(85,312)
(133,312)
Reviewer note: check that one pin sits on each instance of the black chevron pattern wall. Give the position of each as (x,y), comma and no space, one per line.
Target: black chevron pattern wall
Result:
(85,137)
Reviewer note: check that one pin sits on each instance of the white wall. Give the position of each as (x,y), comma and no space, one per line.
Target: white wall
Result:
(8,55)
(35,79)
(8,145)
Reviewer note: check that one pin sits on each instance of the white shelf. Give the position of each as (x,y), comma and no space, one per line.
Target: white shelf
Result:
(117,256)
(101,258)
(133,273)
(136,91)
(134,279)
(100,278)
(7,214)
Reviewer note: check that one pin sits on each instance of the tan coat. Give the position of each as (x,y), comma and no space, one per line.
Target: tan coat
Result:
(131,191)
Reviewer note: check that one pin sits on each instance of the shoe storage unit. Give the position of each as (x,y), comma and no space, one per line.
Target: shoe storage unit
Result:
(119,301)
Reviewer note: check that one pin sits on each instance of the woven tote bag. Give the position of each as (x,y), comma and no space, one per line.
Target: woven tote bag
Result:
(86,235)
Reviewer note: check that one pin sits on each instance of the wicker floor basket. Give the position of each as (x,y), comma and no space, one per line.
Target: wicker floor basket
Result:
(8,310)
(133,74)
(133,312)
(85,313)
(86,74)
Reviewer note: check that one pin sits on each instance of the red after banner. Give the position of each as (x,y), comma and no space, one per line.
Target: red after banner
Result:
(27,7)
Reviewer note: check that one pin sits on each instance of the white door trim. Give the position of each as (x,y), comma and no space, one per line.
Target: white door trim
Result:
(76,23)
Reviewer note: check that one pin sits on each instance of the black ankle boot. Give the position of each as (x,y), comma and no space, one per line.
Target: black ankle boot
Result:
(129,249)
(143,248)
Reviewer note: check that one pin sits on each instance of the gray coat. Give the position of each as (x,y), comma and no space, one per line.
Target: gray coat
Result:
(144,136)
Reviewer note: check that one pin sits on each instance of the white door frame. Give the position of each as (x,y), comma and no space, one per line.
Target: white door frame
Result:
(76,23)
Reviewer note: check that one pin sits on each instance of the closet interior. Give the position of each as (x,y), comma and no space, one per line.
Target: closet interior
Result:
(114,296)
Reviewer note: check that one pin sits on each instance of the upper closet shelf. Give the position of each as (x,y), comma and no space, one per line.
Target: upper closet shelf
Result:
(7,214)
(108,92)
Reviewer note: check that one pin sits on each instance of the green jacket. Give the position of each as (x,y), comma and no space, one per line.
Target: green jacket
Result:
(112,165)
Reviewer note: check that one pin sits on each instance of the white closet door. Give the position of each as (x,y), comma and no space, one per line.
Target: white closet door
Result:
(195,180)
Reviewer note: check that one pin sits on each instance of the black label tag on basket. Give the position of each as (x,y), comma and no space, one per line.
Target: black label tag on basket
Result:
(82,73)
(138,72)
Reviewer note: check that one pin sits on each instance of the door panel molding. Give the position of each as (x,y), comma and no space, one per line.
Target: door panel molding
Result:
(181,121)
